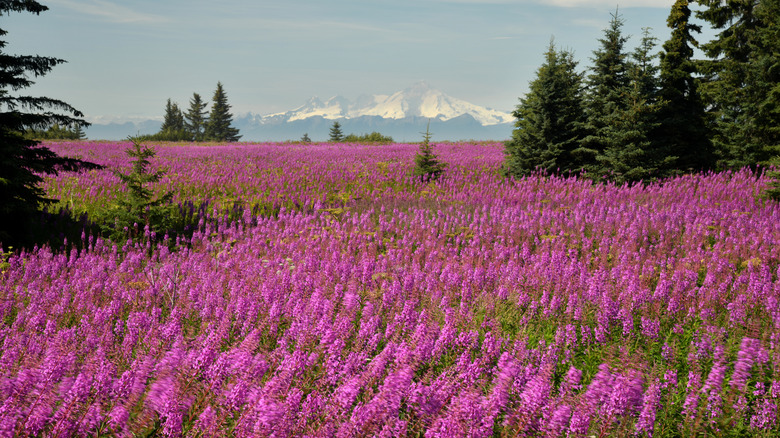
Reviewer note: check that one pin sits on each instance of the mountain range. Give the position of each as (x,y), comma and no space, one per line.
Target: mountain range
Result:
(402,115)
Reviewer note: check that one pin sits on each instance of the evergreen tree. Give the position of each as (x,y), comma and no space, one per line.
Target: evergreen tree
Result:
(764,80)
(335,132)
(138,206)
(632,157)
(682,137)
(23,161)
(733,89)
(608,87)
(78,133)
(173,127)
(218,127)
(305,138)
(549,119)
(196,120)
(426,164)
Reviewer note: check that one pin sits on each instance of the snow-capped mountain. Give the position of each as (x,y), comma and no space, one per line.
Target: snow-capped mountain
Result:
(402,115)
(419,100)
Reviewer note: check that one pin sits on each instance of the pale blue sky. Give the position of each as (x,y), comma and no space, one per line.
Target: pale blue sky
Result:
(126,58)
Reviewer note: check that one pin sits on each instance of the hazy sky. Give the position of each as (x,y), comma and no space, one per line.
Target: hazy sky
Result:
(125,58)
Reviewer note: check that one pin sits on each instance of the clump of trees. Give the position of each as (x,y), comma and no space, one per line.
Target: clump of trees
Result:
(23,160)
(337,135)
(197,124)
(56,132)
(643,116)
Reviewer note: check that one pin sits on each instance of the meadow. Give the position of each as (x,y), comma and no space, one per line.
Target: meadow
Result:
(328,292)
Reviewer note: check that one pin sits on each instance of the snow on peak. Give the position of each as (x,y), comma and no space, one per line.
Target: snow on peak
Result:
(418,100)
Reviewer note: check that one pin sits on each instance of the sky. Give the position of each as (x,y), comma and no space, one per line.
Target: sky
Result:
(126,58)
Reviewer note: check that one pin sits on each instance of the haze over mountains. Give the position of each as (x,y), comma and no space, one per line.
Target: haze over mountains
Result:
(402,115)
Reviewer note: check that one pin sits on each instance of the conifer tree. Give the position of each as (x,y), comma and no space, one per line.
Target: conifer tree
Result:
(426,164)
(549,119)
(219,126)
(195,119)
(23,161)
(633,158)
(606,102)
(682,137)
(335,132)
(173,127)
(739,79)
(78,132)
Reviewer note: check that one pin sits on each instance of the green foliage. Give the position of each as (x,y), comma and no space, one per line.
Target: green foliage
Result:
(138,206)
(56,132)
(742,79)
(636,160)
(373,137)
(608,88)
(682,137)
(305,138)
(549,119)
(23,161)
(173,127)
(195,118)
(335,132)
(218,127)
(426,164)
(773,190)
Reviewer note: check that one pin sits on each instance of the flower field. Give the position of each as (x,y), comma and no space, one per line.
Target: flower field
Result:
(350,299)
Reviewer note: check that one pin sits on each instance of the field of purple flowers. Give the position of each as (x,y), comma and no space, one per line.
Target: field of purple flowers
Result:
(364,302)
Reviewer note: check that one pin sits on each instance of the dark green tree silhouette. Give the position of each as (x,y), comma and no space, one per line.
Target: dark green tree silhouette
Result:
(195,118)
(550,119)
(741,77)
(173,127)
(23,161)
(335,132)
(426,164)
(305,138)
(608,87)
(682,135)
(220,120)
(636,160)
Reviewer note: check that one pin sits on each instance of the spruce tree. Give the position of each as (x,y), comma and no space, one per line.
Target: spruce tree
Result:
(682,136)
(23,161)
(195,118)
(737,85)
(632,158)
(606,103)
(219,126)
(173,128)
(335,132)
(426,164)
(549,119)
(764,80)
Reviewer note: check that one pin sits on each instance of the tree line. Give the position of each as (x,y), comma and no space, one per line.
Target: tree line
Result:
(645,115)
(197,124)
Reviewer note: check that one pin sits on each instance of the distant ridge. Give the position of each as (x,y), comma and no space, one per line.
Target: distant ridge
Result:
(402,115)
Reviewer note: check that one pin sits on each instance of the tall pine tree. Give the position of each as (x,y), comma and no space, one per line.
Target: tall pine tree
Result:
(173,127)
(631,158)
(23,161)
(549,119)
(730,89)
(219,126)
(195,118)
(608,87)
(682,137)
